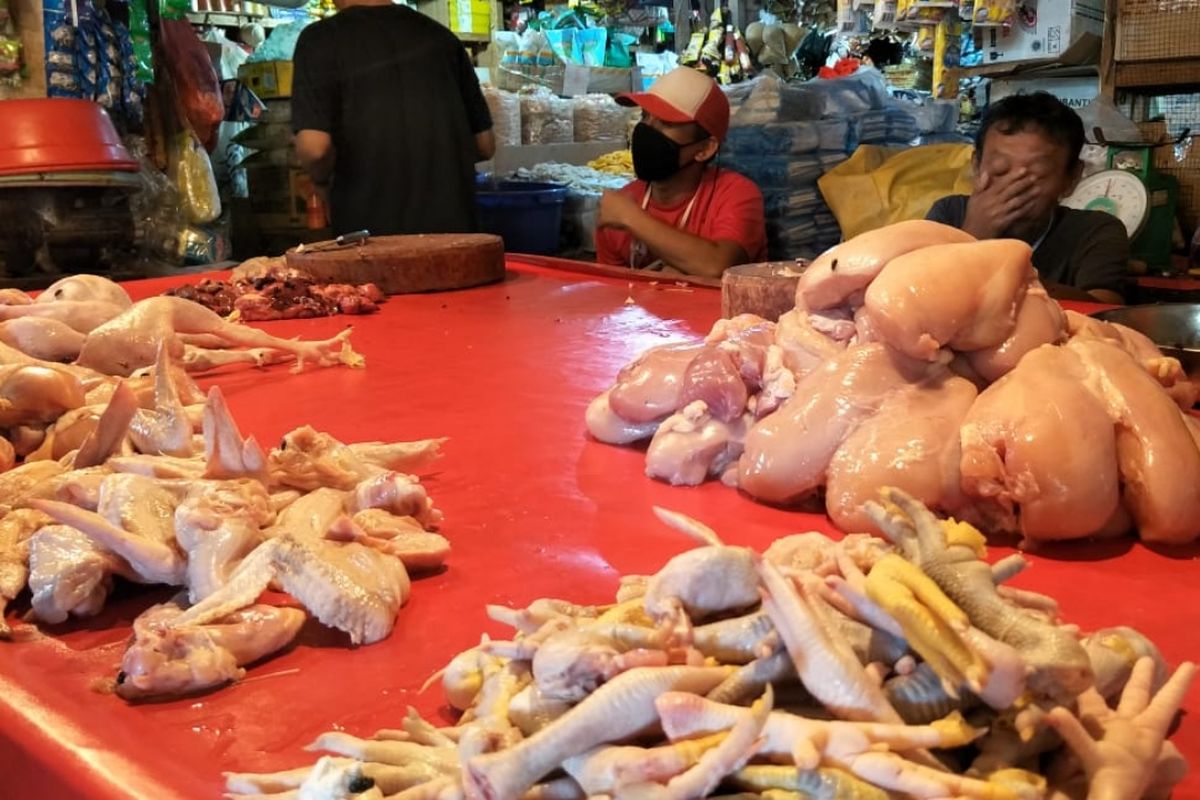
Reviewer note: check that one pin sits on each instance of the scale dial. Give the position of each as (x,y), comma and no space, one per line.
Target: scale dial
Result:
(1115,192)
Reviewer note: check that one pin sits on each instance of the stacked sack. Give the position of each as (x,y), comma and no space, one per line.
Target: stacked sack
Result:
(778,139)
(786,136)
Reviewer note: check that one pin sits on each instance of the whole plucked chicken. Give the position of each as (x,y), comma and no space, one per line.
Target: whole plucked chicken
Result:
(90,321)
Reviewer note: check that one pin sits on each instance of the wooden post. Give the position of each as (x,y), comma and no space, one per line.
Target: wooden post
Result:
(1108,49)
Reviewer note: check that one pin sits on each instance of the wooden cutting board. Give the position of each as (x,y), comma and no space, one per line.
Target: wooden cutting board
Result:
(768,290)
(405,264)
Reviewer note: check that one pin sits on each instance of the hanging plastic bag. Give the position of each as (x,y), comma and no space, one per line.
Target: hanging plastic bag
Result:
(196,181)
(195,80)
(878,185)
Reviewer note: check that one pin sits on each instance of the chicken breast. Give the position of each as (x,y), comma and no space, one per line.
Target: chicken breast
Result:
(649,388)
(787,454)
(1040,320)
(911,443)
(1157,456)
(840,272)
(963,296)
(1039,455)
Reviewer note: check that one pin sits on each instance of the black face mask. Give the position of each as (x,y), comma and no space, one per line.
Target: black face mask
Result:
(655,155)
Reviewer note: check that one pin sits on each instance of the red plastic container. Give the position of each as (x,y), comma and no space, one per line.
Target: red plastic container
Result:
(59,135)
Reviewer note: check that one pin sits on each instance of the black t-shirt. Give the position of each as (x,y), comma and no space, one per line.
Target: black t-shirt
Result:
(397,92)
(1084,249)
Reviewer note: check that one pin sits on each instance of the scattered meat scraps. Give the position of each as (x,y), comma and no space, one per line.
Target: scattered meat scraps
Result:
(270,291)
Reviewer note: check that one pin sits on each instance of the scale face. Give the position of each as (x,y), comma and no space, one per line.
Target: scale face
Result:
(1115,192)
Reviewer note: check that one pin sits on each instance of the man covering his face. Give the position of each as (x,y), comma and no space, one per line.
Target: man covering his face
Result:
(1026,161)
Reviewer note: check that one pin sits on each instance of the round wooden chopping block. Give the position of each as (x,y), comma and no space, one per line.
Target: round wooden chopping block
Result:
(402,264)
(768,290)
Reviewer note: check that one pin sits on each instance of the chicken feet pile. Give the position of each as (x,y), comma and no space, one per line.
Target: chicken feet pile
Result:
(851,669)
(175,495)
(920,358)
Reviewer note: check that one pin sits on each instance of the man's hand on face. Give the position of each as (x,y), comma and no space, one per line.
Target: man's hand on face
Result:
(615,210)
(998,202)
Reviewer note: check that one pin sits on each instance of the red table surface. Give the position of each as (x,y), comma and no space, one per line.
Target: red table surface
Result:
(533,508)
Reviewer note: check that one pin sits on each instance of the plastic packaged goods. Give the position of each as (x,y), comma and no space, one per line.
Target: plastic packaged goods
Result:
(196,182)
(580,180)
(776,172)
(780,138)
(787,203)
(598,118)
(545,117)
(768,99)
(281,44)
(10,48)
(526,59)
(838,135)
(90,56)
(865,90)
(158,216)
(505,108)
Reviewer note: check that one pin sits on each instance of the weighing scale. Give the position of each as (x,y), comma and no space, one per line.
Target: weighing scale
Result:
(1135,193)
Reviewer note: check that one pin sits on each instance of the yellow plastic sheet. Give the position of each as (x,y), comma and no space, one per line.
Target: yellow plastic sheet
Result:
(881,185)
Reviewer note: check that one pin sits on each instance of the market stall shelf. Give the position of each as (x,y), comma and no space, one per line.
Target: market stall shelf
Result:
(536,507)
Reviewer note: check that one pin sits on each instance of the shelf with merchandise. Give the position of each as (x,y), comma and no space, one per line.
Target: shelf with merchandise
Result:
(226,19)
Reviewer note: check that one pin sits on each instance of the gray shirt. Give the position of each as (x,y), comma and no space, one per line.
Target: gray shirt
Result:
(1084,249)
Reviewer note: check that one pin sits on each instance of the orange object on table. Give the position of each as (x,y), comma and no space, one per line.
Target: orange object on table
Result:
(533,508)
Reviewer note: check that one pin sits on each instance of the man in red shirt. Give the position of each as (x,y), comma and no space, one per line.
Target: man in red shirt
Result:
(682,213)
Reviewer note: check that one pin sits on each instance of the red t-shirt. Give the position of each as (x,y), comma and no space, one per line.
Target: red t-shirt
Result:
(728,207)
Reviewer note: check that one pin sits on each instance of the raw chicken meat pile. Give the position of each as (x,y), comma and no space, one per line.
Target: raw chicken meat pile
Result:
(267,289)
(147,479)
(860,668)
(919,358)
(63,355)
(91,324)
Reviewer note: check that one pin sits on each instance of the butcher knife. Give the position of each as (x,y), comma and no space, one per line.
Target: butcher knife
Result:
(345,240)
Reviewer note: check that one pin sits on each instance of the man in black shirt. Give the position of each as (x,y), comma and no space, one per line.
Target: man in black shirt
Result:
(390,120)
(1026,161)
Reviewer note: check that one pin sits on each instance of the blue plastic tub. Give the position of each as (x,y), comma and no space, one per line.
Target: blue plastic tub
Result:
(527,215)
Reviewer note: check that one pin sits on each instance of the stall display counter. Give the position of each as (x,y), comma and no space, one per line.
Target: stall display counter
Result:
(534,508)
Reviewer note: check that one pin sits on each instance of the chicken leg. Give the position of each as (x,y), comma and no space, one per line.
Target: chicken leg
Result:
(42,337)
(81,315)
(130,341)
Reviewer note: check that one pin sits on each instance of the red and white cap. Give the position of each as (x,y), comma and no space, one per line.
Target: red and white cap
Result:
(685,95)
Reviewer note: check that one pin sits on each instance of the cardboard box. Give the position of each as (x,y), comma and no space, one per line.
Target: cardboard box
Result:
(1076,91)
(1064,31)
(470,16)
(268,79)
